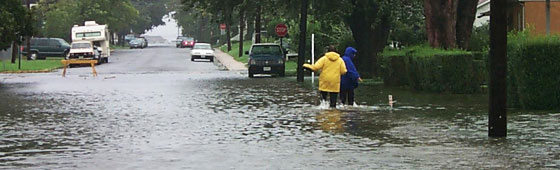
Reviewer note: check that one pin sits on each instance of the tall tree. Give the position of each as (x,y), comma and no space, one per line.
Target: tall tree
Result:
(449,22)
(369,21)
(15,22)
(302,38)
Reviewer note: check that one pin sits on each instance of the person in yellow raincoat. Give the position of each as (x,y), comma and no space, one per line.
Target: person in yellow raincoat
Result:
(332,67)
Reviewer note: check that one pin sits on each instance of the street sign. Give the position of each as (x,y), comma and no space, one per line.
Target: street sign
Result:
(281,30)
(223,26)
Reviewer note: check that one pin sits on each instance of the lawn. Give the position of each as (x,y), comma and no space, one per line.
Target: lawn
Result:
(31,66)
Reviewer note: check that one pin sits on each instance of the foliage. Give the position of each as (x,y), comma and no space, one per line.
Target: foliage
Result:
(533,71)
(434,70)
(408,24)
(120,15)
(16,22)
(480,39)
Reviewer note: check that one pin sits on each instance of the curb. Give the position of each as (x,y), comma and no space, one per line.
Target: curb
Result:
(228,61)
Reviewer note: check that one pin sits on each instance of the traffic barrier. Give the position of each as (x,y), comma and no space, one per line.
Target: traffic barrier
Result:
(66,63)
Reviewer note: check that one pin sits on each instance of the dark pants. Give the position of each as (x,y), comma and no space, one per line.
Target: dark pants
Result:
(347,97)
(333,97)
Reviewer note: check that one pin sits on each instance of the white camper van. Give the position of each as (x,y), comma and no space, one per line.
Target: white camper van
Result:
(97,34)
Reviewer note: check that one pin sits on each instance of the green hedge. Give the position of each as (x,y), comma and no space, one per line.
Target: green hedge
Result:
(534,71)
(434,70)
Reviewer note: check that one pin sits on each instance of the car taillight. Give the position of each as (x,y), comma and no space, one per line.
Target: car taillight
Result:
(281,61)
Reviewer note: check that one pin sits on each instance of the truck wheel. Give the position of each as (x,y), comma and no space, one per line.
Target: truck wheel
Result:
(251,74)
(34,55)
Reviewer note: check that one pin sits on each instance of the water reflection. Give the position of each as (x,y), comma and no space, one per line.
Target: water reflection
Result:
(184,123)
(331,121)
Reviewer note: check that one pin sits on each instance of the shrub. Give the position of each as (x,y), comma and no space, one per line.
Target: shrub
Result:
(435,70)
(533,78)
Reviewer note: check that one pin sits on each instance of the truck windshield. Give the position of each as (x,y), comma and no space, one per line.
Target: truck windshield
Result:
(81,45)
(88,34)
(266,50)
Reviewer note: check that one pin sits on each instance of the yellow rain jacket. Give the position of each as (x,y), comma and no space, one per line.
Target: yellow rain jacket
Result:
(332,67)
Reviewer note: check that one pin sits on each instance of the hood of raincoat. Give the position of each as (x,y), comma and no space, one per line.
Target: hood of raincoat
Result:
(350,52)
(349,81)
(333,56)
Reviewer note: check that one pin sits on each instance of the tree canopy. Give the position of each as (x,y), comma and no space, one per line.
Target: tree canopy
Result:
(16,22)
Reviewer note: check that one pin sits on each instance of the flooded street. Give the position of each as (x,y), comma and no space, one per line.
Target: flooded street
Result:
(155,109)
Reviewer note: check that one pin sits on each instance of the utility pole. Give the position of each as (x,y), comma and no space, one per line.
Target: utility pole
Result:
(302,38)
(547,17)
(28,38)
(497,115)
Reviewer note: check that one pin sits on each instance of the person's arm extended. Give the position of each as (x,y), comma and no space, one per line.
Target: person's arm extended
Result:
(317,66)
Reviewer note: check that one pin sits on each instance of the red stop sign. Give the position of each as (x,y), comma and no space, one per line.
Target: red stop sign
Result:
(281,30)
(222,26)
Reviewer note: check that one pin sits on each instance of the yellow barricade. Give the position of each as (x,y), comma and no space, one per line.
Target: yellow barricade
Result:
(66,63)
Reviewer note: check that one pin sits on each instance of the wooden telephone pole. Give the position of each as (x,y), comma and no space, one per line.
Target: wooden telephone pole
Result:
(497,116)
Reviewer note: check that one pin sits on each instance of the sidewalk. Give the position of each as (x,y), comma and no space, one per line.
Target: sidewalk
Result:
(228,61)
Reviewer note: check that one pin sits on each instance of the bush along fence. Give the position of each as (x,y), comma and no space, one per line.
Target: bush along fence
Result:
(434,70)
(533,71)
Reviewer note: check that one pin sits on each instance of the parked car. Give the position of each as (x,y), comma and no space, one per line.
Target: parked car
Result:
(43,47)
(188,42)
(145,41)
(136,43)
(179,41)
(202,51)
(85,50)
(266,58)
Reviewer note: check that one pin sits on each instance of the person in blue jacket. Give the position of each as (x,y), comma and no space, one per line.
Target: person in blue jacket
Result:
(349,81)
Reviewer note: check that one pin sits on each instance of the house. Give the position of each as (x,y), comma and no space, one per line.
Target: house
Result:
(32,3)
(524,14)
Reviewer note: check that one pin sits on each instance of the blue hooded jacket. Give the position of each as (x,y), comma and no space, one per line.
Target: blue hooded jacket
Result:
(349,81)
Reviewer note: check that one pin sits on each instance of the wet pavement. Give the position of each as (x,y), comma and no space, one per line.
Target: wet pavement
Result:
(155,109)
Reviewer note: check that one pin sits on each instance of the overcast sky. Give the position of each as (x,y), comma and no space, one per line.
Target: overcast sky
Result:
(167,31)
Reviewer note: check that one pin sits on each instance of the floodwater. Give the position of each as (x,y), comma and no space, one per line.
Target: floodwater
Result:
(201,117)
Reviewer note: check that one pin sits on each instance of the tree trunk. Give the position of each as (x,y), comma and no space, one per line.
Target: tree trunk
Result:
(497,115)
(258,25)
(15,52)
(302,39)
(241,28)
(250,29)
(200,28)
(229,12)
(370,39)
(466,13)
(441,20)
